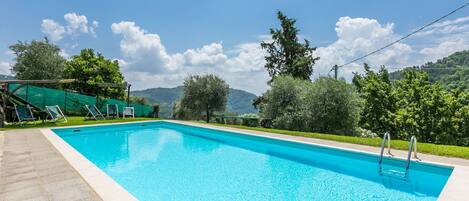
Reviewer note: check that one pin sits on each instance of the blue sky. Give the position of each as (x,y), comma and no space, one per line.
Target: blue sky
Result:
(158,43)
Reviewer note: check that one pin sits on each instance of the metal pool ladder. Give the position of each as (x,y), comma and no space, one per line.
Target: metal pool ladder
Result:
(386,138)
(412,147)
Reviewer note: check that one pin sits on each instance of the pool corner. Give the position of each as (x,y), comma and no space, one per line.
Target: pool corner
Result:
(104,186)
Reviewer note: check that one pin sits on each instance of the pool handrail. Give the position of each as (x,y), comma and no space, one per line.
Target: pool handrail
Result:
(386,138)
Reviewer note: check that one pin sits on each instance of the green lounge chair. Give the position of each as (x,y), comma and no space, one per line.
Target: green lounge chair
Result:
(24,113)
(55,113)
(93,113)
(112,111)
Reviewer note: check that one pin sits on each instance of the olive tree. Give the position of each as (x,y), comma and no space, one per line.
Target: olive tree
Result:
(37,60)
(204,95)
(332,106)
(326,105)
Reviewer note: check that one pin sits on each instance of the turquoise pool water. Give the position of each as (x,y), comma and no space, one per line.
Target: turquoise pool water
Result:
(167,161)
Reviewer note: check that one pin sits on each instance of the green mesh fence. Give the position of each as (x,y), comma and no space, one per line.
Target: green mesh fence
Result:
(71,103)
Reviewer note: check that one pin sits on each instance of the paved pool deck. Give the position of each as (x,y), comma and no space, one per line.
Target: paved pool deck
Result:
(32,169)
(36,164)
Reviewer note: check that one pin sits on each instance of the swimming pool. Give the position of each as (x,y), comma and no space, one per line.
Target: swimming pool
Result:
(168,161)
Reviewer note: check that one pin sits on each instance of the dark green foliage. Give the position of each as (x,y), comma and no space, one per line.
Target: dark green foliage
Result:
(326,105)
(285,54)
(156,111)
(379,104)
(38,60)
(180,112)
(451,72)
(91,68)
(251,120)
(204,95)
(239,101)
(266,123)
(420,108)
(138,99)
(331,106)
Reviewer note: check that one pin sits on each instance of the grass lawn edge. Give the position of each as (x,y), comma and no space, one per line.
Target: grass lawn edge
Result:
(427,148)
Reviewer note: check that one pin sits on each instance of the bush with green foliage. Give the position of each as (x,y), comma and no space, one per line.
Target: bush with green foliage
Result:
(204,95)
(413,106)
(38,60)
(379,104)
(250,119)
(91,68)
(331,106)
(326,105)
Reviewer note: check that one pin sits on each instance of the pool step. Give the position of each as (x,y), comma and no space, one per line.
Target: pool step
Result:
(394,173)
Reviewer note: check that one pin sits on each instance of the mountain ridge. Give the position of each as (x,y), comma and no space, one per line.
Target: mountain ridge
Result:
(239,101)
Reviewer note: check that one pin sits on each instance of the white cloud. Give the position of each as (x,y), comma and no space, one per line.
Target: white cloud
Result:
(75,25)
(441,50)
(146,63)
(356,37)
(208,55)
(52,29)
(5,68)
(359,36)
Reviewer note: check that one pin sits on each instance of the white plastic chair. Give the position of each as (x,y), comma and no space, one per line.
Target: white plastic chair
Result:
(128,111)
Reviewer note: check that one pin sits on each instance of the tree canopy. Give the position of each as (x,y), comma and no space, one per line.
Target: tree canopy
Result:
(285,54)
(91,68)
(38,60)
(452,72)
(379,105)
(413,106)
(326,105)
(204,95)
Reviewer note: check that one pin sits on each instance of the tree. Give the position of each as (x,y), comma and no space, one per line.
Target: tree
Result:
(37,60)
(283,101)
(326,105)
(332,106)
(286,55)
(204,94)
(379,103)
(424,109)
(139,100)
(91,68)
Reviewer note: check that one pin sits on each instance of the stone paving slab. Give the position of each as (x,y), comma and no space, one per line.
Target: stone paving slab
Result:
(32,169)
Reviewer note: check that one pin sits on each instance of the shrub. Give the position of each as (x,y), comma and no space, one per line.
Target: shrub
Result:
(250,119)
(331,106)
(326,105)
(266,123)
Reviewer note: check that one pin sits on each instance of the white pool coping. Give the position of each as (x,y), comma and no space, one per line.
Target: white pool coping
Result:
(454,190)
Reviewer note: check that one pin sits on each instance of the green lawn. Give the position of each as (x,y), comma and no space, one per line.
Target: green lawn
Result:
(435,149)
(72,121)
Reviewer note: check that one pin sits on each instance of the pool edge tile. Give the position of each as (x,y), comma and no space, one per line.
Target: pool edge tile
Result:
(104,186)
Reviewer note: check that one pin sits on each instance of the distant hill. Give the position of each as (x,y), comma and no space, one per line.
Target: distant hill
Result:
(6,77)
(451,72)
(239,101)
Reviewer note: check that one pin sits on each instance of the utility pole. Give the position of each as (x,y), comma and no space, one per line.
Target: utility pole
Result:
(128,95)
(336,68)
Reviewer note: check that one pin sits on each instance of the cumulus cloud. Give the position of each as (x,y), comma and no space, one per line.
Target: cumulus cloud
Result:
(5,68)
(52,29)
(75,25)
(359,36)
(146,62)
